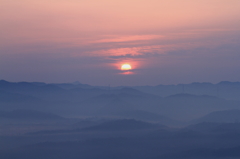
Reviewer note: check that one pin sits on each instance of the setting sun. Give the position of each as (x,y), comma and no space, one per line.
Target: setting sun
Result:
(126,67)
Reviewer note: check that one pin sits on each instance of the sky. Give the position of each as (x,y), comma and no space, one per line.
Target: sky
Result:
(165,42)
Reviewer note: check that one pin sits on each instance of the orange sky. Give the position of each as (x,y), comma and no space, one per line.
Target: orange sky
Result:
(149,33)
(70,19)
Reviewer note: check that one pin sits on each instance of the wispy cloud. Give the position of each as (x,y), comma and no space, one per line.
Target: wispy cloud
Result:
(128,38)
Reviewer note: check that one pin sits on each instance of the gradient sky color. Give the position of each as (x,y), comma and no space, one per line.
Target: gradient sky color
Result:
(166,42)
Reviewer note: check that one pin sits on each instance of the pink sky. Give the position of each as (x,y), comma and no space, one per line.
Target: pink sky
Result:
(167,42)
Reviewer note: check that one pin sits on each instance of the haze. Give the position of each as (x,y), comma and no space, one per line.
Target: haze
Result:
(166,42)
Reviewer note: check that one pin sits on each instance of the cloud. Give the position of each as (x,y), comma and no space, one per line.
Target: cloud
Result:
(128,38)
(132,56)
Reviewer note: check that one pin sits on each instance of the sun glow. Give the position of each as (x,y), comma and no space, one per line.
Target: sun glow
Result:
(126,67)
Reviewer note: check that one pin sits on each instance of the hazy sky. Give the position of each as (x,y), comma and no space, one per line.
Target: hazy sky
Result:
(165,41)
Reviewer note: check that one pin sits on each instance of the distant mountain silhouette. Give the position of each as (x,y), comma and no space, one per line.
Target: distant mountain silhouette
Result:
(22,114)
(210,127)
(111,102)
(125,124)
(130,90)
(72,99)
(141,115)
(225,116)
(16,97)
(206,153)
(109,125)
(14,86)
(119,122)
(188,106)
(229,83)
(73,85)
(28,88)
(186,95)
(224,89)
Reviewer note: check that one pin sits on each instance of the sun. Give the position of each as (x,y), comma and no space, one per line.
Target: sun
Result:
(126,67)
